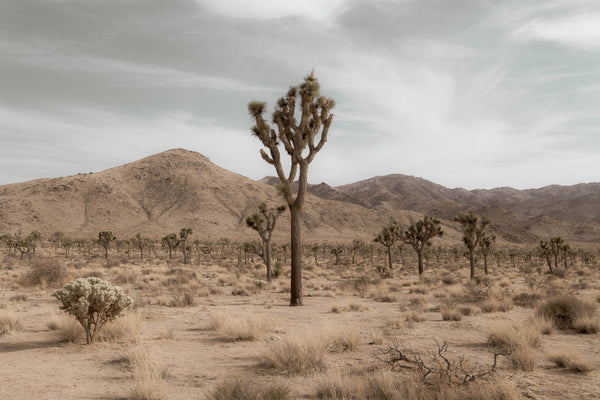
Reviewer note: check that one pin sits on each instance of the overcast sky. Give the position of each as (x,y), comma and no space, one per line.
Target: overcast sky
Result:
(465,93)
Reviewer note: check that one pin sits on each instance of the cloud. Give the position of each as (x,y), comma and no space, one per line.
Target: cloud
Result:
(272,9)
(581,31)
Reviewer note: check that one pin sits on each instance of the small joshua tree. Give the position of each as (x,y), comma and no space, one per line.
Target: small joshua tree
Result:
(93,302)
(170,242)
(419,235)
(337,251)
(105,238)
(302,137)
(556,246)
(485,244)
(315,250)
(387,238)
(473,230)
(184,235)
(264,222)
(140,243)
(357,246)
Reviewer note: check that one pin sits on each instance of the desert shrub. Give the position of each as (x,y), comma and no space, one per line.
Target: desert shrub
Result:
(298,353)
(413,316)
(560,273)
(543,324)
(10,321)
(125,329)
(184,300)
(277,269)
(93,302)
(384,295)
(19,297)
(148,374)
(45,272)
(246,388)
(341,340)
(570,361)
(527,299)
(467,311)
(237,291)
(565,310)
(180,277)
(586,325)
(523,358)
(246,328)
(68,330)
(495,305)
(517,342)
(450,313)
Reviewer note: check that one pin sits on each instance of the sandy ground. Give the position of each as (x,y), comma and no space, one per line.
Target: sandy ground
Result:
(37,365)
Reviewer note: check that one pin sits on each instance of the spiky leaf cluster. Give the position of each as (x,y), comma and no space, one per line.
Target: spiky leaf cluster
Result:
(295,135)
(419,234)
(473,228)
(389,234)
(93,302)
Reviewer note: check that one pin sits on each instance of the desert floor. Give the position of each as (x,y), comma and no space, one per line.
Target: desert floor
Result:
(197,327)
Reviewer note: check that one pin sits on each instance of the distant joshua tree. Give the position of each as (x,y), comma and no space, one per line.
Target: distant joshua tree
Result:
(264,222)
(184,235)
(170,242)
(296,135)
(419,235)
(556,248)
(337,251)
(473,227)
(105,238)
(387,238)
(315,249)
(485,244)
(56,239)
(357,246)
(140,243)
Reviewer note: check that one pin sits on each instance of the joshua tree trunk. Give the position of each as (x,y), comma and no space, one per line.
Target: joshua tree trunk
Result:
(296,250)
(268,260)
(420,258)
(485,268)
(472,263)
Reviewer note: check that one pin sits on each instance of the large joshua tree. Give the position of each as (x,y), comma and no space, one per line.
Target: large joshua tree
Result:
(264,222)
(473,227)
(419,235)
(301,138)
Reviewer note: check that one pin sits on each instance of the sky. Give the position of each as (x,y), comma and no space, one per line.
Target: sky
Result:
(465,93)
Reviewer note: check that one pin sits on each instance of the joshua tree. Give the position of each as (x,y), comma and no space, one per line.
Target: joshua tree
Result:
(184,235)
(545,252)
(140,242)
(264,222)
(486,243)
(419,235)
(23,245)
(556,247)
(170,242)
(297,137)
(315,249)
(67,244)
(56,239)
(357,245)
(337,251)
(473,227)
(387,238)
(105,238)
(33,238)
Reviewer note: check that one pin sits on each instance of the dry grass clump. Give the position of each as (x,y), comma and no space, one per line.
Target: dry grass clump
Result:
(495,305)
(299,353)
(517,341)
(586,325)
(246,388)
(45,272)
(543,324)
(341,340)
(10,321)
(245,328)
(184,300)
(127,328)
(413,317)
(384,295)
(565,310)
(527,299)
(450,313)
(148,374)
(350,307)
(570,361)
(67,329)
(388,385)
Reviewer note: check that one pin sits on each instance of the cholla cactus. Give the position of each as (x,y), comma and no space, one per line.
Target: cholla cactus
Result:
(93,302)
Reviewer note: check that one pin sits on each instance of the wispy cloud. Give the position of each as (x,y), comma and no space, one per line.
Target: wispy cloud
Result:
(581,31)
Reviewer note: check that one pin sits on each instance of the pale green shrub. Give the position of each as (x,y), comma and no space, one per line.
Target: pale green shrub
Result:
(93,302)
